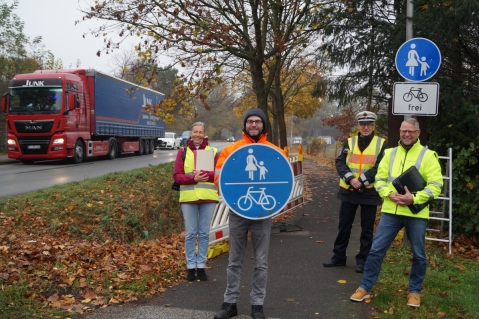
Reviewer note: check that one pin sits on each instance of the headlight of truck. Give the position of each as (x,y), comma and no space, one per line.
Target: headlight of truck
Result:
(58,141)
(11,142)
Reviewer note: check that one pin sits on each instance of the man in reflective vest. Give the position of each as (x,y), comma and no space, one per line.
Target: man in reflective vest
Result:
(357,165)
(254,131)
(395,213)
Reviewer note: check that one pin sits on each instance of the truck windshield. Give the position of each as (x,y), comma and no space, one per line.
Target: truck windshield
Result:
(36,100)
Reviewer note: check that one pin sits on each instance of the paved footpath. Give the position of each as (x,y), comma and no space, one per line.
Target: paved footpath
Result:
(299,287)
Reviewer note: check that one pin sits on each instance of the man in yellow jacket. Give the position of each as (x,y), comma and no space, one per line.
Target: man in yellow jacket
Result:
(254,131)
(395,211)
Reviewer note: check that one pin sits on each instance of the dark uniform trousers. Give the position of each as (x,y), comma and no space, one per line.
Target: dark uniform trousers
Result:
(347,212)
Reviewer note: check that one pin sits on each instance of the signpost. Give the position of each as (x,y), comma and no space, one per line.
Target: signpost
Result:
(256,181)
(417,60)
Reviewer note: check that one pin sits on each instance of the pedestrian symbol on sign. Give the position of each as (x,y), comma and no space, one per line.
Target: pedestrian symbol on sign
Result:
(418,59)
(256,181)
(412,59)
(252,166)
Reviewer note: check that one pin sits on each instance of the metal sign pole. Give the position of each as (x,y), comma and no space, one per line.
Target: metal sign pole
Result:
(409,30)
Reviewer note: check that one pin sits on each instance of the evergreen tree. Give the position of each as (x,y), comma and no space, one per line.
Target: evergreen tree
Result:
(360,39)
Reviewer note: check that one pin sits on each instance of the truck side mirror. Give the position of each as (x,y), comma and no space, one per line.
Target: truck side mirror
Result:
(71,101)
(5,102)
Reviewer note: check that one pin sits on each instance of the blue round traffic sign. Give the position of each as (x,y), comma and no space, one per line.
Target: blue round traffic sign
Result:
(256,181)
(418,59)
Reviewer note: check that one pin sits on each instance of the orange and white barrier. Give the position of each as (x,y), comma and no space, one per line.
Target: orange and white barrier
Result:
(219,230)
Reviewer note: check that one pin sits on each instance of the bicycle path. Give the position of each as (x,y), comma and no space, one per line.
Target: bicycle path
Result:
(299,287)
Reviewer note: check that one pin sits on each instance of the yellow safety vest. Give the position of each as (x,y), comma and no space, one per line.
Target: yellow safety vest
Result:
(359,162)
(198,191)
(394,163)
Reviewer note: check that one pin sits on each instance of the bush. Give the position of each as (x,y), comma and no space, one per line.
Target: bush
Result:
(314,147)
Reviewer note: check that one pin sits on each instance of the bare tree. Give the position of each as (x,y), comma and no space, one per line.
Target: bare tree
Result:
(210,38)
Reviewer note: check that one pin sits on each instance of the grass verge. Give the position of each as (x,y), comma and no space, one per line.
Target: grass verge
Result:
(450,289)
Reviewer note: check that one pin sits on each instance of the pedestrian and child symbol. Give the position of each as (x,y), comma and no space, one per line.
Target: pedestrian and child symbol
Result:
(413,61)
(418,59)
(252,166)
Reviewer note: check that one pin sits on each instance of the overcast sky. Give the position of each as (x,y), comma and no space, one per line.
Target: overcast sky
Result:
(54,21)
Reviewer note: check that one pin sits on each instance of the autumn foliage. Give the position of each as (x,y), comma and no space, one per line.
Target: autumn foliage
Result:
(345,122)
(106,240)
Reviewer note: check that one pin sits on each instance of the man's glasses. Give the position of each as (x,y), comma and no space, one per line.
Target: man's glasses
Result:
(407,131)
(257,122)
(366,124)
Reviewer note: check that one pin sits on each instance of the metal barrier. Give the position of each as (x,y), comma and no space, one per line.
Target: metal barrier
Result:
(219,230)
(445,215)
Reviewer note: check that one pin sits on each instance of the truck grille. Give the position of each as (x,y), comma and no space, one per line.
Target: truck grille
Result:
(34,145)
(38,126)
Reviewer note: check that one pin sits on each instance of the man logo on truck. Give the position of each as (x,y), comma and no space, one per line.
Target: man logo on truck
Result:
(34,83)
(33,127)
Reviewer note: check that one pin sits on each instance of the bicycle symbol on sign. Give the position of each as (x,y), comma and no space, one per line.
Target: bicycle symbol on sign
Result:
(245,202)
(419,95)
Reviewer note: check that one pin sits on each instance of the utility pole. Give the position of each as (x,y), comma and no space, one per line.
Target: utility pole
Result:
(291,141)
(409,31)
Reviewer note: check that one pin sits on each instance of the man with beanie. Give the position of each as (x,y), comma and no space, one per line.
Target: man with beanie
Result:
(254,131)
(357,165)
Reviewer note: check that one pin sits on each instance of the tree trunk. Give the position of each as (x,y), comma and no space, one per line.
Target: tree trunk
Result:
(279,109)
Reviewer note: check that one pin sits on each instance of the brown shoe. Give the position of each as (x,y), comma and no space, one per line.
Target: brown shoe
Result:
(360,295)
(413,300)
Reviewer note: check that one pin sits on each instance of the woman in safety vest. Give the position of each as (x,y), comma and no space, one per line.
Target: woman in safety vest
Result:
(198,199)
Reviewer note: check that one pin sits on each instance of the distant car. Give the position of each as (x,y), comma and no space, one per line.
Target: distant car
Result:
(169,141)
(230,139)
(298,140)
(185,136)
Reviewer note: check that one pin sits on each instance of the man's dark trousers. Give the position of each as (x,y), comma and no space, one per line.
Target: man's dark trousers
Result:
(347,212)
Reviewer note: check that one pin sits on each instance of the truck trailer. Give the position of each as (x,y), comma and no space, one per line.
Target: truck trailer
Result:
(76,114)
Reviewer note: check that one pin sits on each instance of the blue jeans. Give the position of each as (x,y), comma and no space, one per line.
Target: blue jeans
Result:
(197,222)
(388,228)
(260,237)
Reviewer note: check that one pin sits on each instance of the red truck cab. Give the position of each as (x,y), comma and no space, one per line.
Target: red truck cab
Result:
(51,115)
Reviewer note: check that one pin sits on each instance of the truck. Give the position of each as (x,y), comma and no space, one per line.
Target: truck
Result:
(76,114)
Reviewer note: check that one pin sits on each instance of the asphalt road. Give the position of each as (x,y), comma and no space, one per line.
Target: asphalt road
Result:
(299,287)
(18,178)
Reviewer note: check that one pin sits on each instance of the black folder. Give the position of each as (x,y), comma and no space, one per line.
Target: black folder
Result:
(414,182)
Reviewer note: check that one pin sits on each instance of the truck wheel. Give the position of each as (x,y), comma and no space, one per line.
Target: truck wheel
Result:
(79,152)
(146,147)
(142,148)
(112,150)
(152,146)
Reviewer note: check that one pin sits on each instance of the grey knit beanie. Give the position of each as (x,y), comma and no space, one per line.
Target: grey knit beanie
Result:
(255,112)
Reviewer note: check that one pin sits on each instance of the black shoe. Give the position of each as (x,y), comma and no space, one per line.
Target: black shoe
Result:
(360,268)
(228,310)
(201,274)
(334,263)
(257,312)
(191,275)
